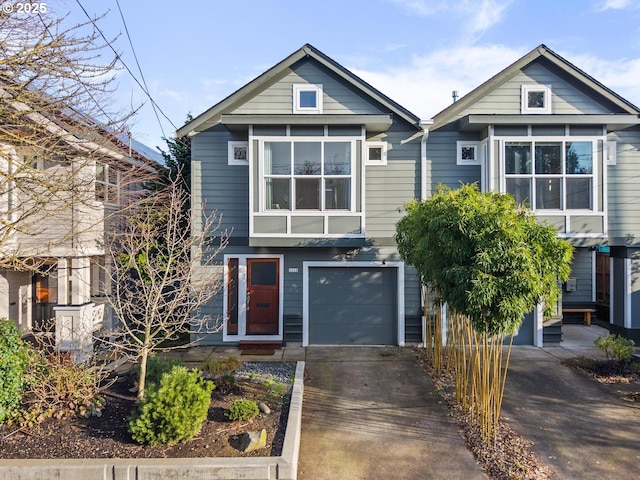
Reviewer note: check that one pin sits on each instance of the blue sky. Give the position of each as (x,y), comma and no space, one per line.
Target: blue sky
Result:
(195,53)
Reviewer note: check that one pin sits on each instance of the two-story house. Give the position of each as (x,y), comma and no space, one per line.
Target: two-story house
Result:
(309,167)
(58,189)
(560,141)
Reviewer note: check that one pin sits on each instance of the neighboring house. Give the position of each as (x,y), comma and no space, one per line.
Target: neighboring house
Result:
(557,139)
(61,232)
(309,167)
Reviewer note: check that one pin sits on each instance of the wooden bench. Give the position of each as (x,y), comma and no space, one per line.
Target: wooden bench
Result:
(585,311)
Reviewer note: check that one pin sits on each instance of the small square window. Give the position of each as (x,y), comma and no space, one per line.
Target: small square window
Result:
(536,99)
(238,153)
(468,153)
(376,153)
(307,98)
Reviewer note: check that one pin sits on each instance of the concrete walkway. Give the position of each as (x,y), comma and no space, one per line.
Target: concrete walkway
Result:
(580,428)
(371,413)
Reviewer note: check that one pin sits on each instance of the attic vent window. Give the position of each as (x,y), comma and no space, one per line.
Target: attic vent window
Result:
(536,99)
(307,98)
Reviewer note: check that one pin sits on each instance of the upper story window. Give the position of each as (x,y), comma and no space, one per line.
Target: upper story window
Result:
(307,175)
(550,175)
(307,98)
(469,153)
(536,99)
(376,153)
(107,184)
(238,153)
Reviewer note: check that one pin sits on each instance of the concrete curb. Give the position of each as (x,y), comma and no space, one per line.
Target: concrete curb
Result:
(284,467)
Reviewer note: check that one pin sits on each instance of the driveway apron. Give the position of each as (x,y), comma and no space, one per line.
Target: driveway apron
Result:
(372,413)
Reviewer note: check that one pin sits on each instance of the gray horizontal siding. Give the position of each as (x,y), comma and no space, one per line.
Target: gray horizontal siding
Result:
(224,188)
(566,98)
(389,187)
(623,179)
(582,271)
(441,162)
(338,96)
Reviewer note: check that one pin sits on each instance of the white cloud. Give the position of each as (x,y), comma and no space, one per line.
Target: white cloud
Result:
(478,16)
(619,75)
(603,5)
(425,85)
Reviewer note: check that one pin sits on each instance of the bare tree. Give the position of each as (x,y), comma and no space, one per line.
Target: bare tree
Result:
(56,126)
(160,274)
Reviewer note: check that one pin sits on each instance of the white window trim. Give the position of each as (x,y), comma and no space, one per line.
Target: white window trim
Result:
(478,155)
(595,210)
(611,152)
(231,158)
(525,109)
(307,87)
(380,144)
(107,184)
(258,176)
(303,212)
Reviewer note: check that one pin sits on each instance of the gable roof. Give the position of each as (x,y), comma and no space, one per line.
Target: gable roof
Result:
(213,115)
(542,51)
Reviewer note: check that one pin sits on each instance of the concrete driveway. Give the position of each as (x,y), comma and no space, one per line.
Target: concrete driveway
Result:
(372,413)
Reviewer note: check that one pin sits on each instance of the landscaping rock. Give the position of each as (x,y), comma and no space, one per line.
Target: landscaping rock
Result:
(264,408)
(251,441)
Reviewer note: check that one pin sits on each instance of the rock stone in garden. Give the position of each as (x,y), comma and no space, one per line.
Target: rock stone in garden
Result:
(251,441)
(264,408)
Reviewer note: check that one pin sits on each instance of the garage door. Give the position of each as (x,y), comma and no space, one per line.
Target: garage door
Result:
(353,306)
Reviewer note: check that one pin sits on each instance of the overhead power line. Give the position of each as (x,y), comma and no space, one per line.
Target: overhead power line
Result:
(120,59)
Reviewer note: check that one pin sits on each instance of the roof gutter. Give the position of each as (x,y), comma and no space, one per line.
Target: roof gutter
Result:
(424,124)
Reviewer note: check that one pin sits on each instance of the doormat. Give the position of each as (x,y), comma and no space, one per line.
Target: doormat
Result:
(258,351)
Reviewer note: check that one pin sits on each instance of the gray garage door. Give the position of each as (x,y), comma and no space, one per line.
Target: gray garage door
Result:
(352,306)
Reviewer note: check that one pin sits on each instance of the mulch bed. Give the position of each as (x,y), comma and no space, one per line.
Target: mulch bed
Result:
(510,457)
(106,436)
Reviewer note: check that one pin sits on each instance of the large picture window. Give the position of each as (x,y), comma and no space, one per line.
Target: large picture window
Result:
(307,175)
(550,175)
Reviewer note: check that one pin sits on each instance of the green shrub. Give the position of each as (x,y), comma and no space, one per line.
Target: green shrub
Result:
(242,410)
(156,367)
(13,359)
(616,347)
(174,410)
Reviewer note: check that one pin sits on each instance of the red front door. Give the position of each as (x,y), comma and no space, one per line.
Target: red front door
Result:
(263,294)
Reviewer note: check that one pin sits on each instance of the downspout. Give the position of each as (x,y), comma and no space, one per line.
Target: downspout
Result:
(424,124)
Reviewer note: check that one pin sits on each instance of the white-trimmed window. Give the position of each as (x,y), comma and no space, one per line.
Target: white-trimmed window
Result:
(307,98)
(309,174)
(376,153)
(536,99)
(611,152)
(468,153)
(551,175)
(238,153)
(107,184)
